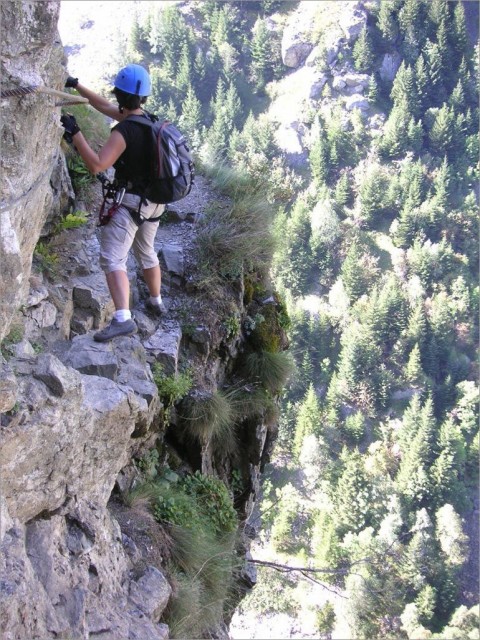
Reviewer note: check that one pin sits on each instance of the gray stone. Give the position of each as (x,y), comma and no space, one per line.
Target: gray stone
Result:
(314,58)
(92,358)
(390,64)
(8,388)
(339,83)
(91,295)
(36,295)
(164,345)
(39,317)
(174,259)
(6,521)
(151,593)
(58,378)
(22,349)
(317,87)
(356,79)
(201,335)
(353,19)
(357,101)
(297,40)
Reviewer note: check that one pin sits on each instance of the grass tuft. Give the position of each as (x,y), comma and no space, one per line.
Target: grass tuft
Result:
(270,370)
(210,416)
(237,238)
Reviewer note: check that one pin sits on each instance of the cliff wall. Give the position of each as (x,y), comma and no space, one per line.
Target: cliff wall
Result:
(77,416)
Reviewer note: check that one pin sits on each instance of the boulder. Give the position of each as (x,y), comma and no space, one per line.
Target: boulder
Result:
(151,593)
(352,19)
(93,358)
(164,346)
(58,378)
(390,64)
(297,41)
(356,101)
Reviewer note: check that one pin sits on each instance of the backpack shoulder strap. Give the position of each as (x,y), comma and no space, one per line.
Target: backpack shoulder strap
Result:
(141,120)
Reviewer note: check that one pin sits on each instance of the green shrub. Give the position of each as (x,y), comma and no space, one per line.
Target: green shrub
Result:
(201,524)
(214,500)
(72,221)
(270,370)
(268,333)
(45,259)
(171,387)
(197,502)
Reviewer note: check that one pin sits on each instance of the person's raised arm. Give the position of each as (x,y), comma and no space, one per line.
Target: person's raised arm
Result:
(96,162)
(97,101)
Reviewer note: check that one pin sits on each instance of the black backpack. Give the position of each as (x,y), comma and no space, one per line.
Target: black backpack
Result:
(173,169)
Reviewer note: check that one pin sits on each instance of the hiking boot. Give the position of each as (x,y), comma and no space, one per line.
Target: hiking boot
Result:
(155,309)
(114,329)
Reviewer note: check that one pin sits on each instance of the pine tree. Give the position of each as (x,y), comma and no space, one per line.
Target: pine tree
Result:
(318,158)
(233,105)
(184,75)
(191,118)
(441,133)
(459,34)
(415,135)
(437,91)
(413,370)
(261,54)
(413,478)
(404,91)
(437,12)
(362,52)
(441,187)
(387,22)
(449,532)
(352,496)
(394,141)
(308,419)
(343,193)
(411,19)
(449,467)
(351,274)
(417,325)
(372,194)
(422,82)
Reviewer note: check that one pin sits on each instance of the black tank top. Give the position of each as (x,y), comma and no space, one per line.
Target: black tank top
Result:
(134,165)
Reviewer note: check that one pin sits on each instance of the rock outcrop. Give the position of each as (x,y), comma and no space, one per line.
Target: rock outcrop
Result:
(33,177)
(316,66)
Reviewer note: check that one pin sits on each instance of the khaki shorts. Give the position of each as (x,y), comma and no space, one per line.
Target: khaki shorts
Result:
(122,234)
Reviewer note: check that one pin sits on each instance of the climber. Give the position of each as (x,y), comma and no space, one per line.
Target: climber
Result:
(125,151)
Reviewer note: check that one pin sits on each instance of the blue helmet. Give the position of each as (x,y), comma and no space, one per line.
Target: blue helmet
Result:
(133,79)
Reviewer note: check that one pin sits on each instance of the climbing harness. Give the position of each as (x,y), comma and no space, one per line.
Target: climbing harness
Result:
(113,195)
(112,199)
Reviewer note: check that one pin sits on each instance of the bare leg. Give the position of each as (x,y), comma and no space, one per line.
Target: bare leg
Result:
(153,278)
(119,288)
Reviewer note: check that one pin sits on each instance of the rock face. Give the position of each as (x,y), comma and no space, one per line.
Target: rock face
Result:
(317,70)
(31,55)
(296,42)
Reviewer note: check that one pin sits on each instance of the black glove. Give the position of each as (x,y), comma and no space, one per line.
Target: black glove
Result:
(71,83)
(70,125)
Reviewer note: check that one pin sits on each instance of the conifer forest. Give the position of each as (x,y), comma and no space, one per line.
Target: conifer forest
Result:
(374,477)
